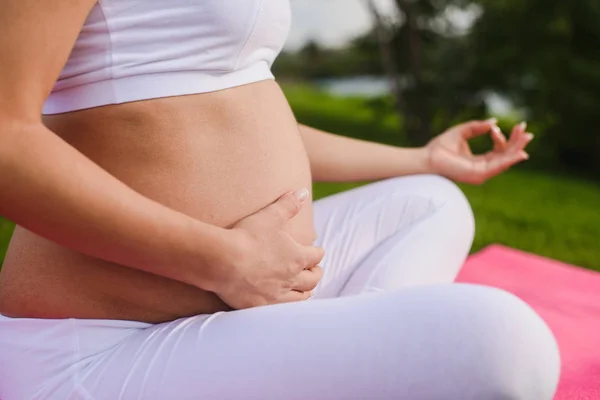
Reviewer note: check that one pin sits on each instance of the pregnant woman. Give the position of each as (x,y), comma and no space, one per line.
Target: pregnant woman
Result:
(167,245)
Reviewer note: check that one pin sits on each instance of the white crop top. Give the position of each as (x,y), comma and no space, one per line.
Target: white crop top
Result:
(131,50)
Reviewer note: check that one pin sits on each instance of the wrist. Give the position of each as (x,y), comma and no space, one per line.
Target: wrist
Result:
(202,258)
(219,256)
(421,161)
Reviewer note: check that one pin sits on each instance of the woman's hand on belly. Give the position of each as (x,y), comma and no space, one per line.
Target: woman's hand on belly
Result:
(216,158)
(269,266)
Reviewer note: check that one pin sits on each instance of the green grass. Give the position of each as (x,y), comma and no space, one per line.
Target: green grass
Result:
(356,117)
(553,216)
(6,230)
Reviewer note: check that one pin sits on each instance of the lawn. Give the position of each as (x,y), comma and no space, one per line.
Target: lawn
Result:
(6,229)
(549,215)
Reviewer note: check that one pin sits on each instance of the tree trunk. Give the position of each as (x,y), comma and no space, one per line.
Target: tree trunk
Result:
(388,58)
(419,132)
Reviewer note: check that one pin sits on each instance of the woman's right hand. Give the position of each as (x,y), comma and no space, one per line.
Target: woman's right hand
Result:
(267,266)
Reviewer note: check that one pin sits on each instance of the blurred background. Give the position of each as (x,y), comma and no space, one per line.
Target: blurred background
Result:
(402,71)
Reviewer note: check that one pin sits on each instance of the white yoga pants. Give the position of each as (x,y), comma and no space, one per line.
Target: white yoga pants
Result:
(386,323)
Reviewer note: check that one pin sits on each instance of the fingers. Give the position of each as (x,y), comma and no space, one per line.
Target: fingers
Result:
(305,284)
(286,207)
(495,163)
(503,162)
(519,139)
(307,280)
(500,142)
(518,129)
(473,129)
(506,153)
(295,296)
(313,256)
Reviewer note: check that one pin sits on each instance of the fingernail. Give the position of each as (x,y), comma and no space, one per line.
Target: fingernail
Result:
(530,136)
(524,156)
(492,121)
(301,194)
(523,125)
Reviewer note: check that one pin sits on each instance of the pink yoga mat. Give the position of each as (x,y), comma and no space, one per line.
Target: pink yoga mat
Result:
(567,297)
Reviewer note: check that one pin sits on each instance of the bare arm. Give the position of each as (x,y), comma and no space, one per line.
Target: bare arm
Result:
(336,158)
(51,189)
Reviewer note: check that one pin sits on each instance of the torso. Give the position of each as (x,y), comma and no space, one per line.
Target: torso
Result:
(217,157)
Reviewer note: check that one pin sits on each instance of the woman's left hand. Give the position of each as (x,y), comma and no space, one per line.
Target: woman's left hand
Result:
(449,154)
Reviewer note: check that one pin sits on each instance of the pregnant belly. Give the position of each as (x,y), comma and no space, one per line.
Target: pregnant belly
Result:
(217,157)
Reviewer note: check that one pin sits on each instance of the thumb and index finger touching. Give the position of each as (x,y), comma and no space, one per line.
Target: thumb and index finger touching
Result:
(519,138)
(472,129)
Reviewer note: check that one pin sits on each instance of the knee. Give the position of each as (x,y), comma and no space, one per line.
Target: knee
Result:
(518,355)
(452,202)
(447,199)
(438,189)
(444,192)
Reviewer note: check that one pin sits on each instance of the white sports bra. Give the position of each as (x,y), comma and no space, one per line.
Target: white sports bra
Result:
(131,50)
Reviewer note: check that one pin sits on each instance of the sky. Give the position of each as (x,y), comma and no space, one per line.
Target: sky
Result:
(332,22)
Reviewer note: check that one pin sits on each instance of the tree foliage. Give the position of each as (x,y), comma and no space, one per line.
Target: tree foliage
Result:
(543,55)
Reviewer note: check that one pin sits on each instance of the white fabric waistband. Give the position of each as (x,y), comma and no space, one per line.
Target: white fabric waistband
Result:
(151,86)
